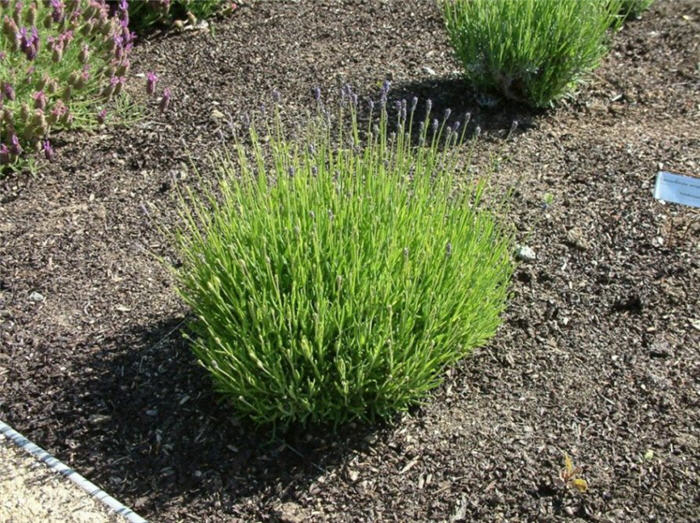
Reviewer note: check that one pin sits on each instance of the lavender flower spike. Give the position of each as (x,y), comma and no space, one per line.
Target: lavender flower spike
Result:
(48,150)
(165,100)
(317,94)
(151,80)
(15,147)
(8,91)
(4,154)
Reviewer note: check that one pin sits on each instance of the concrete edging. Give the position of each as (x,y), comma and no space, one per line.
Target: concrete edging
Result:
(93,490)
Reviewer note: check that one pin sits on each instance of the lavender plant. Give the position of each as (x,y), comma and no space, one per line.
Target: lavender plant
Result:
(531,51)
(334,278)
(59,59)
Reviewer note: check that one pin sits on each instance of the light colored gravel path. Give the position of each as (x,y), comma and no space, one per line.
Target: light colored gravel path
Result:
(30,491)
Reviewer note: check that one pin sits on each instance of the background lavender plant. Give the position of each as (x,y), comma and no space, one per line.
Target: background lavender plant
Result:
(59,60)
(333,279)
(530,51)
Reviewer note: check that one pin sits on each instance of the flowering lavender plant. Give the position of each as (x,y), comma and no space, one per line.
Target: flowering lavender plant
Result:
(58,59)
(334,277)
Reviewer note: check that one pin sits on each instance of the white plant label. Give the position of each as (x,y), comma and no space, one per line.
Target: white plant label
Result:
(677,188)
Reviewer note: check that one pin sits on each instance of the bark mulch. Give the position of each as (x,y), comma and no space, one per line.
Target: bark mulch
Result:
(597,356)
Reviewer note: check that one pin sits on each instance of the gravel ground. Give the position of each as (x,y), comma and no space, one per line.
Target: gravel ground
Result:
(31,492)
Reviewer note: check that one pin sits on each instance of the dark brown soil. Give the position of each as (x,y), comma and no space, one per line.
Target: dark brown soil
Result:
(597,357)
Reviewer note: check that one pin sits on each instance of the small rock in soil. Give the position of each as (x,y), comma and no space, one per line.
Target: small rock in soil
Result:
(290,512)
(525,253)
(36,296)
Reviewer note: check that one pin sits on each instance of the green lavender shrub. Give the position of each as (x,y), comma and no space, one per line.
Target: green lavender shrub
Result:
(332,277)
(530,51)
(59,60)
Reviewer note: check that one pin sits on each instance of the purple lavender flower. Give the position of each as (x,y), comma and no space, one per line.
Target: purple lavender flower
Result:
(435,125)
(276,96)
(102,116)
(448,112)
(40,100)
(151,80)
(15,147)
(165,100)
(30,52)
(30,15)
(384,93)
(8,91)
(66,37)
(57,13)
(4,154)
(58,112)
(57,50)
(23,39)
(428,106)
(414,103)
(48,150)
(317,94)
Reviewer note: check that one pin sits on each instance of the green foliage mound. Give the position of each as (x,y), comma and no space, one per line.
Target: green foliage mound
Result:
(531,51)
(332,281)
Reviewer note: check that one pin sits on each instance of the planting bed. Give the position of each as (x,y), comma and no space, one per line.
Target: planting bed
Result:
(597,357)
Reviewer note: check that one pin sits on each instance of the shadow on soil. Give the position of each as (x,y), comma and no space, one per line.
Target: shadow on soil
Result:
(494,116)
(148,429)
